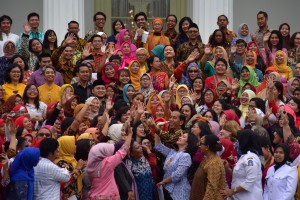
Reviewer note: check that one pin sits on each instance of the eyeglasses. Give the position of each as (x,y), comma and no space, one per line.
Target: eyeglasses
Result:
(193,71)
(44,135)
(100,19)
(208,94)
(145,79)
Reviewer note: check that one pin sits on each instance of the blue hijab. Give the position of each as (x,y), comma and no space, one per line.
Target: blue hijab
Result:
(158,51)
(185,79)
(22,167)
(125,88)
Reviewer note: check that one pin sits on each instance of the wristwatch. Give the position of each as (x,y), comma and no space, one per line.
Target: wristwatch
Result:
(235,190)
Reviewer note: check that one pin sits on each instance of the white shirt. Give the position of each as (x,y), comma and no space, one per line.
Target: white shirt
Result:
(47,179)
(247,173)
(10,37)
(282,183)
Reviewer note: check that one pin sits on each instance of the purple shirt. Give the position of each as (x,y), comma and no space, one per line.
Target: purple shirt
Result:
(38,79)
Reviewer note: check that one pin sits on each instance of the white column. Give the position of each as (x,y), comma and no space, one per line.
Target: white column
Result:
(58,13)
(205,14)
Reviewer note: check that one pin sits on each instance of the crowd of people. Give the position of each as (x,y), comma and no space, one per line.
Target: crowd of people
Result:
(150,114)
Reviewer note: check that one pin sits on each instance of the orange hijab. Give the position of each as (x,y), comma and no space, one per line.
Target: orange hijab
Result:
(135,77)
(255,59)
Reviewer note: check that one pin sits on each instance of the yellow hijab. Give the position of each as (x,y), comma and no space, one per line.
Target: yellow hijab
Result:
(244,108)
(63,87)
(282,68)
(178,99)
(135,77)
(149,106)
(67,150)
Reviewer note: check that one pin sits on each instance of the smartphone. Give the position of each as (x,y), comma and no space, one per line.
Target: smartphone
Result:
(148,115)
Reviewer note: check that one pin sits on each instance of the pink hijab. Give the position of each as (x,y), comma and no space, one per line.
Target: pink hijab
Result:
(120,41)
(127,58)
(97,154)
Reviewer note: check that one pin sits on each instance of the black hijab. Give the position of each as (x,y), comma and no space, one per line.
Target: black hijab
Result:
(286,155)
(249,141)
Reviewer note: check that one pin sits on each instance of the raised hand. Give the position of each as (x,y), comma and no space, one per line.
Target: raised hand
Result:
(233,49)
(207,49)
(86,52)
(172,82)
(27,28)
(12,128)
(140,108)
(109,104)
(235,84)
(193,95)
(266,37)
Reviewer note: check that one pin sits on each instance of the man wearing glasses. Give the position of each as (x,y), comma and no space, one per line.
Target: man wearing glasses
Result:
(99,22)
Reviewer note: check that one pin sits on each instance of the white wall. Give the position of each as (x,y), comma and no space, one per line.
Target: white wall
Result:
(245,11)
(18,11)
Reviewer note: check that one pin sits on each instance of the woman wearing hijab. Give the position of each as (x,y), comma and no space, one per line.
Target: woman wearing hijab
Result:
(261,90)
(157,37)
(291,86)
(22,174)
(135,74)
(158,51)
(245,98)
(247,76)
(146,85)
(280,63)
(282,178)
(128,54)
(192,72)
(102,161)
(247,173)
(153,101)
(124,36)
(181,91)
(251,60)
(262,86)
(209,67)
(252,46)
(208,101)
(67,149)
(244,33)
(109,73)
(9,50)
(128,92)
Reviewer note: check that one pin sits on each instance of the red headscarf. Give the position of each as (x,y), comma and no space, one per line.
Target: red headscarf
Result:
(107,80)
(264,83)
(160,119)
(231,115)
(127,57)
(19,121)
(209,105)
(257,49)
(155,108)
(229,155)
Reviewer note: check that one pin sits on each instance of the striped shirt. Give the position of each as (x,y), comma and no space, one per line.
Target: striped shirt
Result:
(47,179)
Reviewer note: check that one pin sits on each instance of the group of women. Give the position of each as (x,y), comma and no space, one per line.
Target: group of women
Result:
(224,125)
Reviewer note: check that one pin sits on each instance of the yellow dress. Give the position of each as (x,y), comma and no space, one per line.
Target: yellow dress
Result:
(10,89)
(49,94)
